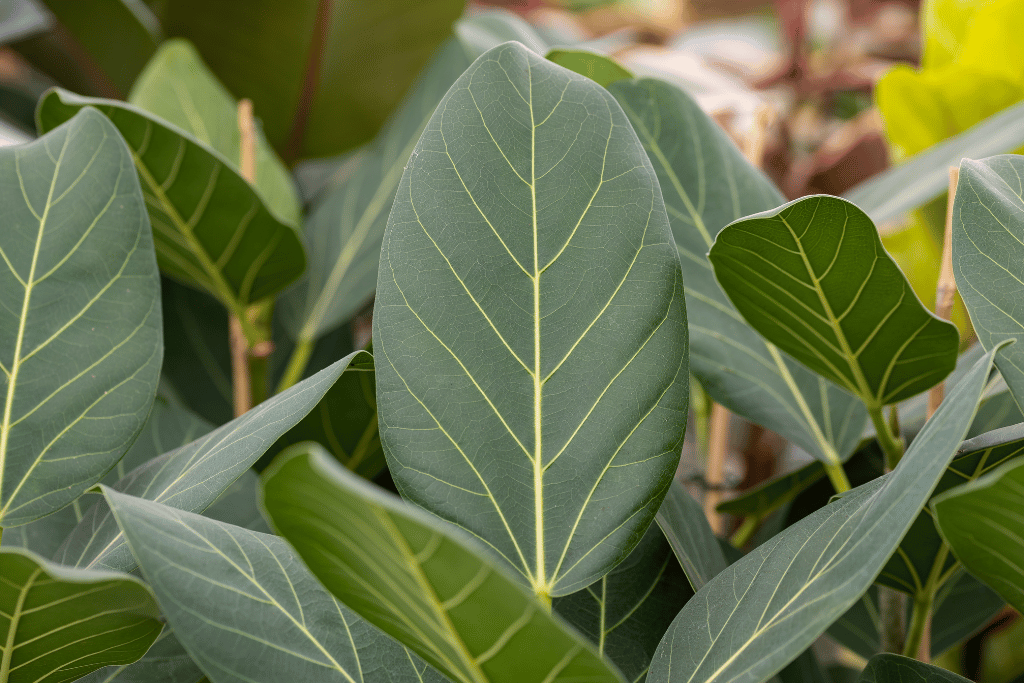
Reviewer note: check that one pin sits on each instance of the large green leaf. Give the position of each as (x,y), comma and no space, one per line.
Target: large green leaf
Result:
(887,668)
(165,662)
(683,522)
(529,326)
(421,580)
(863,327)
(983,522)
(707,184)
(247,609)
(751,620)
(178,87)
(80,327)
(193,476)
(58,624)
(323,76)
(625,613)
(211,229)
(988,257)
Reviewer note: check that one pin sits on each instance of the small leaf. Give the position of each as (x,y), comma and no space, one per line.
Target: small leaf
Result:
(771,495)
(246,608)
(694,543)
(193,476)
(61,623)
(80,327)
(419,579)
(211,229)
(813,278)
(758,615)
(887,668)
(599,68)
(529,328)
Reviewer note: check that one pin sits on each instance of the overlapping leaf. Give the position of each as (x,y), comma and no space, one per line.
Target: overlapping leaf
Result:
(246,608)
(210,227)
(80,321)
(683,522)
(529,326)
(421,580)
(58,624)
(813,278)
(707,184)
(165,662)
(193,476)
(755,617)
(887,668)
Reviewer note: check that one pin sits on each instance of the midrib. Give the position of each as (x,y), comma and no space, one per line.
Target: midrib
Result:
(540,579)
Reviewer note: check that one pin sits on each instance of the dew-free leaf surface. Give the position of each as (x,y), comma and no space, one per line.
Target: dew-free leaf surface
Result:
(686,527)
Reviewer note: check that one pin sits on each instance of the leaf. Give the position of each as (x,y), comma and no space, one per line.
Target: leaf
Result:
(860,626)
(210,227)
(683,522)
(963,607)
(771,495)
(625,613)
(707,184)
(599,68)
(193,476)
(534,272)
(324,78)
(61,623)
(804,669)
(80,326)
(165,662)
(179,88)
(755,617)
(863,328)
(981,521)
(239,505)
(987,257)
(887,668)
(247,609)
(424,582)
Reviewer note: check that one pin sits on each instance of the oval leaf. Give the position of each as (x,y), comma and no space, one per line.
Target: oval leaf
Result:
(529,327)
(80,328)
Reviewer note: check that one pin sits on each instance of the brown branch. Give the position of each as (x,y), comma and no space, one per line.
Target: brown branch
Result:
(714,473)
(241,381)
(945,291)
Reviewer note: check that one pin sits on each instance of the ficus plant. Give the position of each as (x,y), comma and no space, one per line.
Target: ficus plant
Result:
(559,254)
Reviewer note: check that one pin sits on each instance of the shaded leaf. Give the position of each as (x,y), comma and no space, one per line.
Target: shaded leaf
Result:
(695,546)
(964,606)
(419,579)
(599,68)
(774,493)
(887,668)
(165,662)
(80,330)
(534,271)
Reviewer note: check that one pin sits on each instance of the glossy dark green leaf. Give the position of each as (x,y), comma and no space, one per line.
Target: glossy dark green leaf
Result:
(813,278)
(755,617)
(165,662)
(529,328)
(599,68)
(193,476)
(707,184)
(246,608)
(324,78)
(625,613)
(887,668)
(211,228)
(80,329)
(982,522)
(988,257)
(421,580)
(59,623)
(695,546)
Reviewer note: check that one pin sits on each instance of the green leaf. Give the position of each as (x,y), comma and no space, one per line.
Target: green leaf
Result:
(193,476)
(804,669)
(863,327)
(239,505)
(964,606)
(210,227)
(178,87)
(625,613)
(683,522)
(768,497)
(61,623)
(860,626)
(599,68)
(707,184)
(80,328)
(165,662)
(324,78)
(755,617)
(246,608)
(528,262)
(423,581)
(887,668)
(988,257)
(981,521)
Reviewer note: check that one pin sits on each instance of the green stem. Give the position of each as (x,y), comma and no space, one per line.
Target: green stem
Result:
(837,475)
(919,618)
(746,531)
(892,445)
(296,364)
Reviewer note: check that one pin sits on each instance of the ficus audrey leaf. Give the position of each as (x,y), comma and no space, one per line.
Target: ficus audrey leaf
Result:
(423,581)
(686,527)
(598,68)
(165,662)
(80,326)
(813,278)
(888,668)
(755,617)
(528,262)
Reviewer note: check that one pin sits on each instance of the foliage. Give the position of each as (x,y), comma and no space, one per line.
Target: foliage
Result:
(557,252)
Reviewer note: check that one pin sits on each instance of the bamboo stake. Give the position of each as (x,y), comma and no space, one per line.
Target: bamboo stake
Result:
(718,449)
(945,290)
(241,380)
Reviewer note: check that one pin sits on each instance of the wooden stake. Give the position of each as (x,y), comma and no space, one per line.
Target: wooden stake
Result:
(945,291)
(241,381)
(718,449)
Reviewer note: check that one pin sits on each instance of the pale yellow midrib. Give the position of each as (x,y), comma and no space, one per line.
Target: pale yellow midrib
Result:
(12,628)
(540,579)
